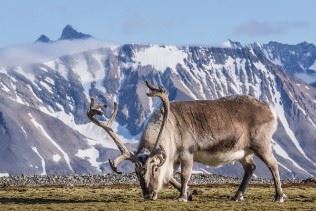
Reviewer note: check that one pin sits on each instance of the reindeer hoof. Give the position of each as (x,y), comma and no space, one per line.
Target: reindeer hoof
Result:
(155,196)
(182,199)
(114,168)
(190,195)
(238,197)
(280,198)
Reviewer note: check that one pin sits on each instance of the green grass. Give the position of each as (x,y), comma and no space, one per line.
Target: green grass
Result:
(258,197)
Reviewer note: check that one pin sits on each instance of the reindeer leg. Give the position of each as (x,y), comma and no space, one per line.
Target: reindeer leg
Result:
(266,155)
(186,171)
(249,167)
(271,162)
(177,185)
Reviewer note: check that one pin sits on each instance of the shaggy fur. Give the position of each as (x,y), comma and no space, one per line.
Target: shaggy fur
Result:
(213,132)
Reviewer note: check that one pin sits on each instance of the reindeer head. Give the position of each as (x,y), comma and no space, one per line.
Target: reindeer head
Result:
(150,173)
(148,166)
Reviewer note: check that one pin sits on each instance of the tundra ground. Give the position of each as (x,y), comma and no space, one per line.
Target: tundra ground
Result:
(128,197)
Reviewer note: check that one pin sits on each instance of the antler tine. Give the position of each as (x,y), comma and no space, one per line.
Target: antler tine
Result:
(113,115)
(163,95)
(95,108)
(126,154)
(160,89)
(151,87)
(91,103)
(116,162)
(161,156)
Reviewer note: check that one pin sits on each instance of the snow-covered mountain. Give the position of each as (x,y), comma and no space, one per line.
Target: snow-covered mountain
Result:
(299,60)
(43,123)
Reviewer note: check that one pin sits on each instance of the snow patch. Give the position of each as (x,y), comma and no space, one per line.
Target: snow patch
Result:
(46,135)
(36,97)
(90,154)
(282,153)
(99,73)
(160,57)
(313,66)
(306,77)
(50,81)
(3,70)
(47,87)
(56,157)
(281,114)
(274,59)
(4,175)
(26,72)
(42,160)
(23,131)
(59,67)
(4,87)
(87,75)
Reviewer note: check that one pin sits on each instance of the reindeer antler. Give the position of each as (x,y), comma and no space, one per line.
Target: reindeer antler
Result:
(163,95)
(95,109)
(160,89)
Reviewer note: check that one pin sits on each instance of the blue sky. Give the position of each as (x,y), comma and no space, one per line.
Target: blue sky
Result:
(165,21)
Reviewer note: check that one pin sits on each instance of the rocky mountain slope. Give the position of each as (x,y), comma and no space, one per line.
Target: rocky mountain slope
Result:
(298,60)
(43,123)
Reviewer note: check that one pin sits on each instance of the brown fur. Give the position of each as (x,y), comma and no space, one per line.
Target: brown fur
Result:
(216,124)
(207,129)
(212,132)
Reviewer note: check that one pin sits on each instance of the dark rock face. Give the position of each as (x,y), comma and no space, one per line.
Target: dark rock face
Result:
(298,60)
(43,38)
(43,109)
(69,33)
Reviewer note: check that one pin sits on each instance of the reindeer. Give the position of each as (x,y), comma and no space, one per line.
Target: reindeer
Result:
(212,132)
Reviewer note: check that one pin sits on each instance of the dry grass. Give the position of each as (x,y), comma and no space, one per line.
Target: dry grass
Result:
(300,197)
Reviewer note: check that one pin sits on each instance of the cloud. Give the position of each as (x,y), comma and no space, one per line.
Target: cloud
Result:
(263,28)
(135,22)
(43,52)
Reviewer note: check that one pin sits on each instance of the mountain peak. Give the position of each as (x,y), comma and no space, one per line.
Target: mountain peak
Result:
(232,44)
(69,33)
(256,45)
(43,38)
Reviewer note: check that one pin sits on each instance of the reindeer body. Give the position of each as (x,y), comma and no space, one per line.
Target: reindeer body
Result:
(212,132)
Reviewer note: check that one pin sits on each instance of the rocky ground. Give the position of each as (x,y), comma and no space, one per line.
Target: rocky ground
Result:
(113,179)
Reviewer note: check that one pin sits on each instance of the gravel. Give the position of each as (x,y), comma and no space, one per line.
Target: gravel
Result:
(125,179)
